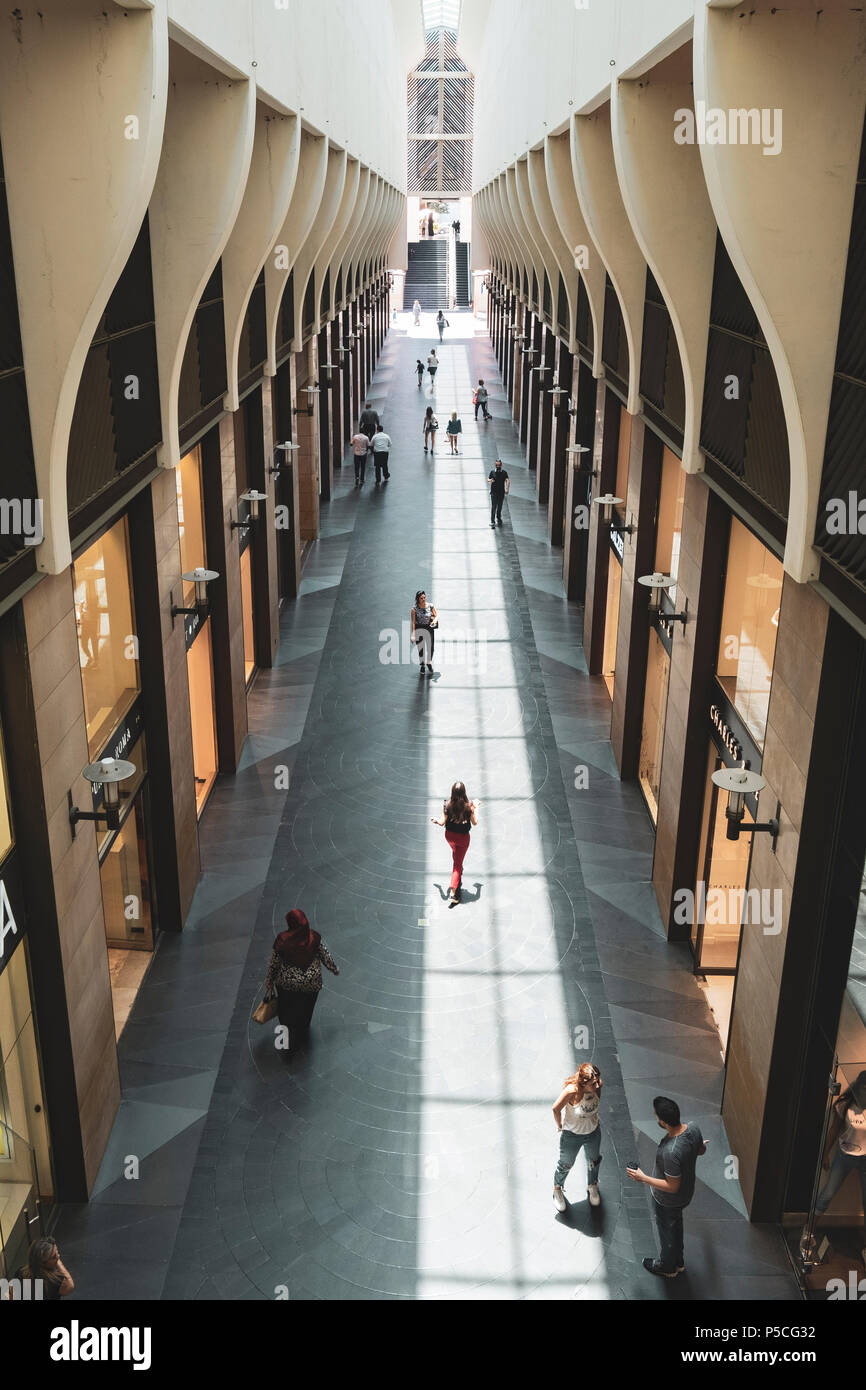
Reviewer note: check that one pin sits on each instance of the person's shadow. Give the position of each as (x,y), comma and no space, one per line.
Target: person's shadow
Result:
(465,897)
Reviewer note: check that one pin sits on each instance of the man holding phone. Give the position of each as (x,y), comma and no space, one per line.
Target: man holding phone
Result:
(673,1185)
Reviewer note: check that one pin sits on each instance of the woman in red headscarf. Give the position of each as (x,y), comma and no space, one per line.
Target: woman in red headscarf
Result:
(295,972)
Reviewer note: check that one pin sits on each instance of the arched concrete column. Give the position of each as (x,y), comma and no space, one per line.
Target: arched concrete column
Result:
(798,62)
(351,178)
(494,233)
(508,232)
(362,251)
(366,199)
(563,258)
(355,178)
(335,180)
(307,195)
(608,225)
(572,223)
(265,206)
(206,152)
(80,158)
(538,241)
(357,250)
(665,197)
(529,255)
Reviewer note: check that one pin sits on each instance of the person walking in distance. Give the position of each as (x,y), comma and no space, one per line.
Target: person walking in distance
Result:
(431,425)
(432,368)
(454,429)
(423,621)
(419,368)
(360,448)
(441,323)
(499,487)
(575,1111)
(416,313)
(381,445)
(295,972)
(369,422)
(458,817)
(481,397)
(673,1185)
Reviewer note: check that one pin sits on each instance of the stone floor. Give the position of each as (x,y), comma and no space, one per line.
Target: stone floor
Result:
(409,1154)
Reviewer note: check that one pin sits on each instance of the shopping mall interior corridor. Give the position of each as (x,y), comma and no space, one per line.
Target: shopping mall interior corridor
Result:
(410,1152)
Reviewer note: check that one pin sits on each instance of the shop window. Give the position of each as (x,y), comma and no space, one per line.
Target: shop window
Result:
(247,606)
(25,1159)
(611,621)
(6,838)
(653,732)
(202,715)
(190,519)
(750,620)
(621,488)
(107,641)
(669,526)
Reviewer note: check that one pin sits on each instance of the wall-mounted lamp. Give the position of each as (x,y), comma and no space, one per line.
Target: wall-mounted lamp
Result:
(286,450)
(529,352)
(108,773)
(558,391)
(739,783)
(254,499)
(657,585)
(310,407)
(352,340)
(576,450)
(328,367)
(200,578)
(541,369)
(607,502)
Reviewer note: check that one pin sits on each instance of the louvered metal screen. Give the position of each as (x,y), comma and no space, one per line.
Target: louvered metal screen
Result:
(440,102)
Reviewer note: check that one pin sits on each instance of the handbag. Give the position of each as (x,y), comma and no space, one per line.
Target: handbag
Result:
(266,1011)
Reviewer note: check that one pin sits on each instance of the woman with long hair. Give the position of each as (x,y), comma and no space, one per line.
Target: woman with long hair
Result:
(431,425)
(44,1262)
(458,817)
(575,1111)
(416,313)
(423,621)
(849,1132)
(454,429)
(295,971)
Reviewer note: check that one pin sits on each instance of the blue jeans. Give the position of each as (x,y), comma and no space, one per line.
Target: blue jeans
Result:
(842,1165)
(669,1224)
(570,1146)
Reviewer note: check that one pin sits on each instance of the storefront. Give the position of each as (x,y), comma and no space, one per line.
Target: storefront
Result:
(197,632)
(110,677)
(615,557)
(736,724)
(26,1182)
(669,527)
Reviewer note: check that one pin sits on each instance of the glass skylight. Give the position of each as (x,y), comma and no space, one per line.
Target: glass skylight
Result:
(441,14)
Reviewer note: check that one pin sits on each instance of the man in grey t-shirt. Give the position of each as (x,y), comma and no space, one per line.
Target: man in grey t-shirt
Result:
(673,1184)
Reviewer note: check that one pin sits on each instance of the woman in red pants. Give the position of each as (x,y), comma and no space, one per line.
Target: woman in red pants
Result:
(458,817)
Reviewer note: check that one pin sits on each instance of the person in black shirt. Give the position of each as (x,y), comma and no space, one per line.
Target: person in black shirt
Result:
(673,1185)
(458,817)
(499,487)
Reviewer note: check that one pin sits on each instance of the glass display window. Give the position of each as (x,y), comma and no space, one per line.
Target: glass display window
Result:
(26,1184)
(622,456)
(202,714)
(107,640)
(669,526)
(6,836)
(750,621)
(653,730)
(611,621)
(190,519)
(247,607)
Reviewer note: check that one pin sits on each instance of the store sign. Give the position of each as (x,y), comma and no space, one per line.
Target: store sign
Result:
(617,544)
(725,734)
(12,923)
(192,625)
(122,740)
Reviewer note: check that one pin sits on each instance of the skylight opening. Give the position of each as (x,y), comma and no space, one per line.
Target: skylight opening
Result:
(441,14)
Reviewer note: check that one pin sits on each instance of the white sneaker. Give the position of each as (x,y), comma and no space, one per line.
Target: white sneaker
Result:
(593,1194)
(559,1199)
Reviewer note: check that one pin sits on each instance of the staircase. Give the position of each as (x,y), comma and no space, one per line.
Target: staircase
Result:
(462,295)
(427,275)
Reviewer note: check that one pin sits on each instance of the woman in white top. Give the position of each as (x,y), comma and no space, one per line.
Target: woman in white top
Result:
(576,1113)
(416,313)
